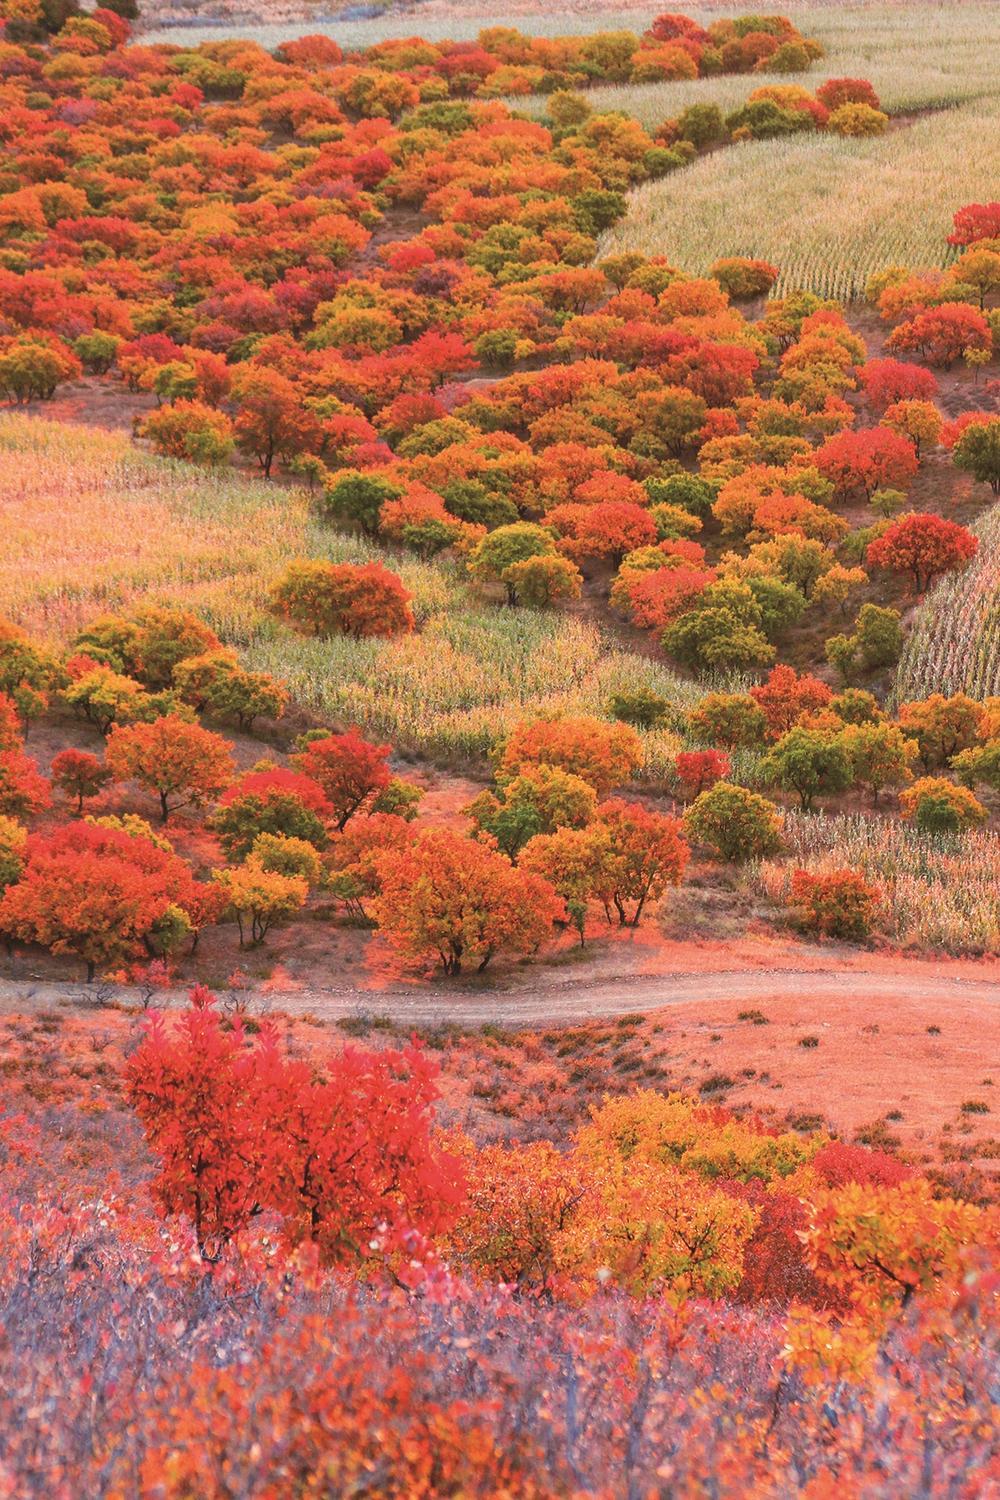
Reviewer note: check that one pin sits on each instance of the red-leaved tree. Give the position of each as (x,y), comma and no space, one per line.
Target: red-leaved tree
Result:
(345,1153)
(350,770)
(923,546)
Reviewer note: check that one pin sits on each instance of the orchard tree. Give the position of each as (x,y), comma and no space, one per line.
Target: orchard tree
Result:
(80,903)
(979,766)
(500,550)
(192,431)
(540,799)
(11,737)
(13,851)
(272,801)
(183,764)
(975,222)
(541,581)
(879,756)
(918,421)
(259,898)
(640,707)
(149,645)
(104,697)
(860,462)
(284,856)
(977,451)
(109,895)
(723,633)
(697,770)
(839,91)
(886,382)
(741,278)
(354,500)
(877,1247)
(24,792)
(785,696)
(877,641)
(324,599)
(575,862)
(454,900)
(606,530)
(215,683)
(924,546)
(271,421)
(942,727)
(857,706)
(836,586)
(937,805)
(734,720)
(734,823)
(943,334)
(646,852)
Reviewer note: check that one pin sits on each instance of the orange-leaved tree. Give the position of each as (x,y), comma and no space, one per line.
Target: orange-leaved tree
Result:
(450,898)
(606,755)
(183,764)
(106,896)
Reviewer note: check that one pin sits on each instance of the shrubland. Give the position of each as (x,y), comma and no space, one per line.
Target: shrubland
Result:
(674,562)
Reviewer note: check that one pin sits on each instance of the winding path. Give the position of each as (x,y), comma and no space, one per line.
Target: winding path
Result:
(553,1003)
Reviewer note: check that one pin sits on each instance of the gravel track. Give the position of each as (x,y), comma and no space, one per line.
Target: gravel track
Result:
(553,1003)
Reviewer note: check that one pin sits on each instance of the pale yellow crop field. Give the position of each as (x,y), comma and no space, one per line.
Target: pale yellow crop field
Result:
(827,211)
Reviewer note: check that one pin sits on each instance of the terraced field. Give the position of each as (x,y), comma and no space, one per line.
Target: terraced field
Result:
(845,208)
(93,524)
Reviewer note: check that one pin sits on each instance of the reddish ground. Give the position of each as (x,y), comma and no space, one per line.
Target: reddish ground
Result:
(912,1074)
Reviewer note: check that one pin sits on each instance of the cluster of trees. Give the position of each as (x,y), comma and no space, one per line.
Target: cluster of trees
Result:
(548,844)
(197,236)
(820,743)
(656,1196)
(362,1293)
(946,315)
(394,75)
(114,892)
(844,106)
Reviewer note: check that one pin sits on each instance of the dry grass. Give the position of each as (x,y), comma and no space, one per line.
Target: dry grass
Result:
(937,894)
(917,57)
(827,211)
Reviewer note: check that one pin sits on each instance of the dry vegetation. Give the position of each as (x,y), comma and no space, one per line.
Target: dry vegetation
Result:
(846,209)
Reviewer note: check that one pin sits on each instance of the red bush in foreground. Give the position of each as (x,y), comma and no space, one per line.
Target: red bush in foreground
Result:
(343,1155)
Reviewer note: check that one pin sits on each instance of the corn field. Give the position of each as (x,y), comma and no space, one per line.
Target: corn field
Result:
(954,644)
(915,56)
(937,893)
(845,209)
(92,524)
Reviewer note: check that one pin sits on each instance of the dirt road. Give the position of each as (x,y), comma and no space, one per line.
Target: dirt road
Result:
(553,1003)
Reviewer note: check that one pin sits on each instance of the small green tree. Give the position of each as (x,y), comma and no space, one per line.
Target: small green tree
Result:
(978,452)
(503,548)
(540,581)
(879,755)
(734,823)
(809,762)
(355,500)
